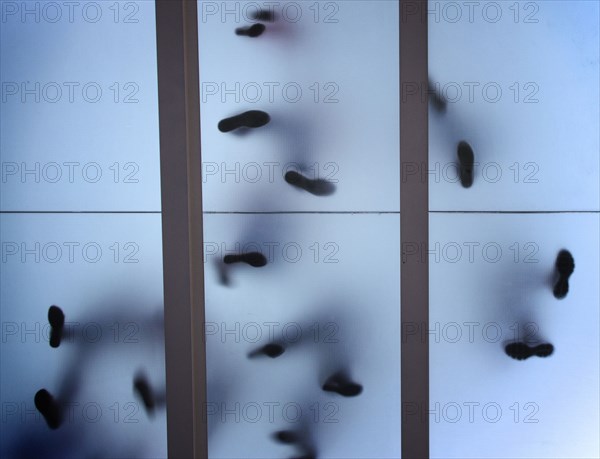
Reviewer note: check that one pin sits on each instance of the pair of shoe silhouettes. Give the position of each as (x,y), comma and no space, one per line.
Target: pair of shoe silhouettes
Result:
(258,118)
(339,382)
(256,30)
(565,265)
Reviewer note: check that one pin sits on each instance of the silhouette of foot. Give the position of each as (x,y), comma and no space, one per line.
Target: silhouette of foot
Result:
(340,384)
(263,15)
(318,187)
(223,272)
(288,437)
(466,159)
(255,259)
(565,265)
(521,351)
(437,100)
(272,350)
(251,31)
(57,322)
(49,408)
(249,119)
(142,388)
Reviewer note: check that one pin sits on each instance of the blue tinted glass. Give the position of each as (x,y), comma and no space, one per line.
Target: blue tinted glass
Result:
(300,117)
(514,141)
(82,350)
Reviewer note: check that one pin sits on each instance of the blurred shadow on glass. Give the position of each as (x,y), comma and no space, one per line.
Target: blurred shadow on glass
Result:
(247,252)
(301,437)
(88,351)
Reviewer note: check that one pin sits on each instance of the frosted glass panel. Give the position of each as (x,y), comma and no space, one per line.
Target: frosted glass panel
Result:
(327,75)
(330,296)
(493,278)
(80,232)
(514,180)
(79,106)
(521,84)
(105,273)
(300,125)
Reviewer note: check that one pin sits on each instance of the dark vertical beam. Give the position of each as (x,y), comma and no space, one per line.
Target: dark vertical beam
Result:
(414,228)
(181,192)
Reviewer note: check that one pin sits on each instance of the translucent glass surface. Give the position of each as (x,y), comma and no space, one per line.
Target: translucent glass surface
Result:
(329,295)
(79,106)
(493,279)
(327,74)
(79,165)
(521,84)
(332,95)
(105,273)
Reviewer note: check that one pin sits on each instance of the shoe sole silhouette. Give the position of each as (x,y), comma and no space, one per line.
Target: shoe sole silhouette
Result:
(272,350)
(48,408)
(143,389)
(565,265)
(249,119)
(318,187)
(340,384)
(255,259)
(251,31)
(263,15)
(290,437)
(466,159)
(56,318)
(521,351)
(287,437)
(437,100)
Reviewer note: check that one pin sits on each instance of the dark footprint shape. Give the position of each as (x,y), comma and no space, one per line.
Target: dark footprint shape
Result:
(57,321)
(466,159)
(223,272)
(255,259)
(437,100)
(565,265)
(251,119)
(251,31)
(318,187)
(340,384)
(272,350)
(288,437)
(264,15)
(49,408)
(143,389)
(521,351)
